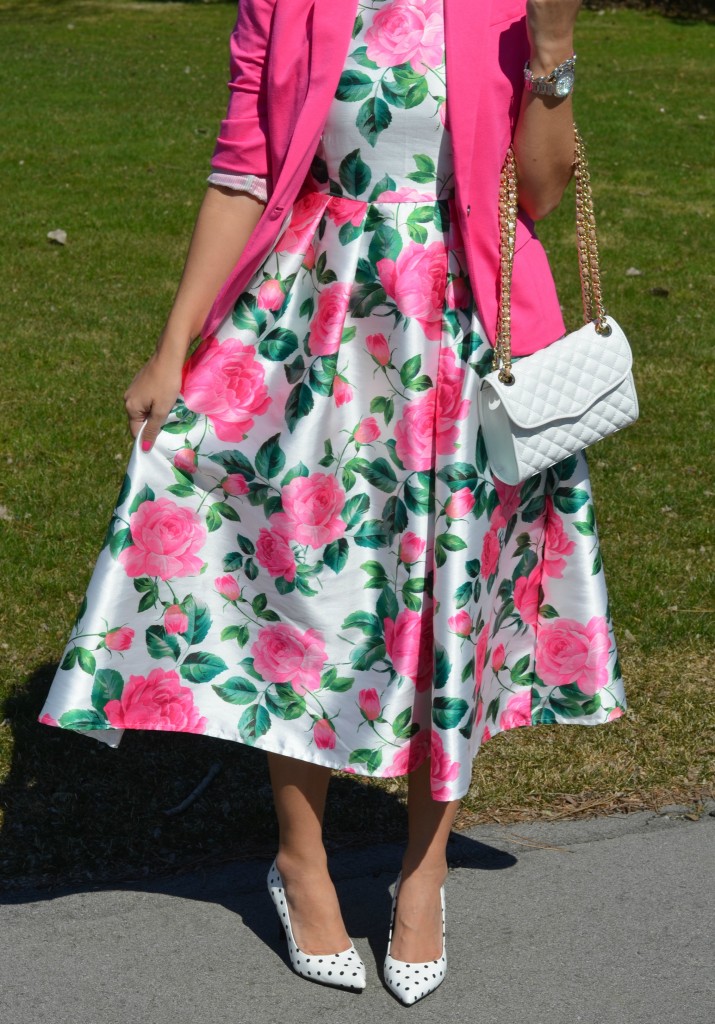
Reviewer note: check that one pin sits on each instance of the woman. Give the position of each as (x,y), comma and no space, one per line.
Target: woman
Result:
(309,553)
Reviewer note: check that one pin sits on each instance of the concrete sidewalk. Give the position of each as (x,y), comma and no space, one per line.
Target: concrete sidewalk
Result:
(607,921)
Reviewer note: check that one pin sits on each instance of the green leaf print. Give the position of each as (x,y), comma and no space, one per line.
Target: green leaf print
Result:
(336,554)
(385,184)
(373,118)
(419,216)
(213,519)
(363,656)
(145,494)
(226,511)
(353,86)
(363,755)
(534,509)
(443,222)
(402,727)
(247,315)
(587,528)
(78,719)
(278,344)
(330,680)
(201,667)
(325,276)
(442,668)
(386,243)
(365,297)
(355,509)
(406,91)
(567,467)
(161,644)
(238,633)
(181,490)
(394,515)
(250,569)
(419,496)
(322,374)
(254,723)
(410,370)
(283,702)
(236,690)
(270,459)
(119,541)
(592,705)
(569,499)
(387,606)
(425,164)
(199,618)
(597,564)
(294,371)
(234,462)
(492,709)
(445,542)
(371,534)
(349,232)
(462,595)
(447,712)
(458,475)
(87,661)
(300,402)
(543,716)
(124,490)
(108,685)
(370,624)
(519,673)
(359,54)
(357,28)
(355,175)
(376,572)
(566,708)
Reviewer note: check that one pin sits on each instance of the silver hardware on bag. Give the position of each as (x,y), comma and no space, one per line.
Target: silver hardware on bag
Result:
(559,83)
(575,391)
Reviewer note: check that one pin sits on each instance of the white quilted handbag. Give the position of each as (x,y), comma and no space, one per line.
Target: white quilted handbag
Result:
(575,391)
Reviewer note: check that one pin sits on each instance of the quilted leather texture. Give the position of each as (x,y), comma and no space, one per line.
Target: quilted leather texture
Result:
(553,408)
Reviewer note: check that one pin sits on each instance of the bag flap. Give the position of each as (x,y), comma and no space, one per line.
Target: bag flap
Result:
(564,379)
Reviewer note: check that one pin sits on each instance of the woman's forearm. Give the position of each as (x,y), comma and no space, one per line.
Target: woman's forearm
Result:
(544,138)
(224,224)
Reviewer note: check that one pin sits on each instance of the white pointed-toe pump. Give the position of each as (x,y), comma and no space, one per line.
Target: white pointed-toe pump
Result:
(410,982)
(344,969)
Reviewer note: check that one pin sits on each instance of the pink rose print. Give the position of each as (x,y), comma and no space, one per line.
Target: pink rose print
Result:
(460,623)
(518,710)
(342,392)
(312,506)
(270,295)
(411,755)
(569,652)
(119,639)
(414,433)
(416,281)
(527,596)
(309,257)
(47,719)
(158,701)
(282,654)
(556,543)
(227,587)
(460,504)
(326,327)
(509,499)
(411,547)
(491,549)
(225,381)
(443,769)
(307,211)
(368,430)
(498,657)
(480,656)
(346,211)
(408,640)
(369,704)
(443,115)
(450,404)
(405,194)
(185,460)
(457,293)
(175,620)
(486,735)
(614,713)
(167,538)
(235,483)
(275,554)
(407,31)
(378,347)
(324,734)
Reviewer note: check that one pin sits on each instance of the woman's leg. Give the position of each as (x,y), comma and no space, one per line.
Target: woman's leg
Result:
(417,934)
(299,792)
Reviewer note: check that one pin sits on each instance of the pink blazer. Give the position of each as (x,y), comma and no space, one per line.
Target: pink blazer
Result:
(286,59)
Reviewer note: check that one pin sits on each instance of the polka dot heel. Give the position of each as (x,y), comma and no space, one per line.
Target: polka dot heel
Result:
(410,982)
(345,969)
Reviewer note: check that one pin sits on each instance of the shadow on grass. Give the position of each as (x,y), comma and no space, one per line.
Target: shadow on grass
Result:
(77,811)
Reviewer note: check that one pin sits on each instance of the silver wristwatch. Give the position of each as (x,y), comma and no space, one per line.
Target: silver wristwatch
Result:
(559,83)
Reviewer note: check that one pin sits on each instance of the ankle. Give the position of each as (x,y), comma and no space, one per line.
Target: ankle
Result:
(291,860)
(432,870)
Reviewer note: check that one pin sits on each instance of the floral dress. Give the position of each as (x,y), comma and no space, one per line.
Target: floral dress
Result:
(315,558)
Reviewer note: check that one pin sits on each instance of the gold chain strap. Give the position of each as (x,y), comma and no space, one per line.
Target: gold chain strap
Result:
(589,269)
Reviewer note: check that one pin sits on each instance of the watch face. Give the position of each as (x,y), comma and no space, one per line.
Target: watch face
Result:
(564,84)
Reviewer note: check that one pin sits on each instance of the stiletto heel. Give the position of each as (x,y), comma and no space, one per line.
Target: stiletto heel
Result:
(344,969)
(410,982)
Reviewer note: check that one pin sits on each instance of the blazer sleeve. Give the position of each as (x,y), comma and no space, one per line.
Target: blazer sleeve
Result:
(241,146)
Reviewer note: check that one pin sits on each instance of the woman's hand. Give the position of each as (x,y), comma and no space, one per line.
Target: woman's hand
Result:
(550,26)
(151,395)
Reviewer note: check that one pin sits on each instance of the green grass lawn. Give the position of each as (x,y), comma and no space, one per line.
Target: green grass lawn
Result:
(109,114)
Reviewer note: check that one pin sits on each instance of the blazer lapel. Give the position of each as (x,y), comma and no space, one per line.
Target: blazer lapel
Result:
(466,26)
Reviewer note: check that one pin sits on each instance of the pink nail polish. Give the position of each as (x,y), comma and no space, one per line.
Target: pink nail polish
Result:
(146,446)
